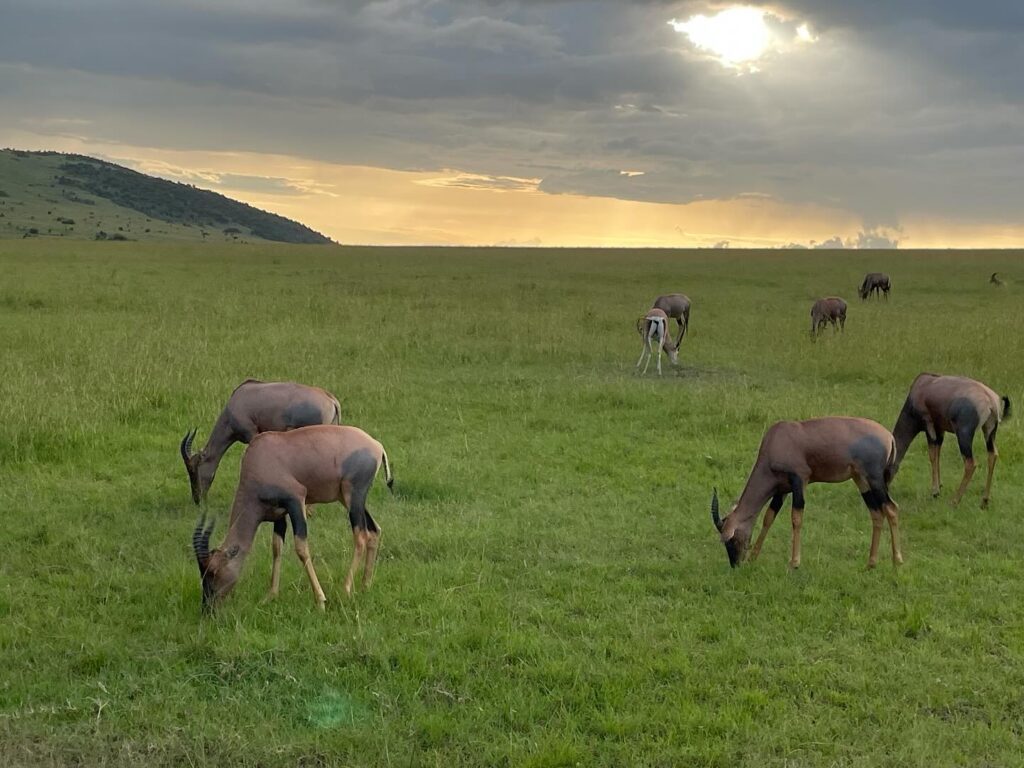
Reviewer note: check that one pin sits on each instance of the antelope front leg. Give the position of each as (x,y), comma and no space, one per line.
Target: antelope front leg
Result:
(769,518)
(968,474)
(933,457)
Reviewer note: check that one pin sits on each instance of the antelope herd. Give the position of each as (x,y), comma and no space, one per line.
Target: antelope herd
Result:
(298,454)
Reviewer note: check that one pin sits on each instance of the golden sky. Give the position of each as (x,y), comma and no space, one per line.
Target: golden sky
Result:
(374,206)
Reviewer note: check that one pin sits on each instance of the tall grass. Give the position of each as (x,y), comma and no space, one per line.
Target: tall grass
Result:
(550,589)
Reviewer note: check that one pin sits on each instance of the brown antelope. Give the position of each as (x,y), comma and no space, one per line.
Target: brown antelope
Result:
(939,404)
(677,307)
(794,454)
(255,407)
(995,279)
(876,283)
(655,328)
(831,309)
(282,473)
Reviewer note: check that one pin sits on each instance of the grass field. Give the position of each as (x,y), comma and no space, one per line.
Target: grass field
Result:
(550,589)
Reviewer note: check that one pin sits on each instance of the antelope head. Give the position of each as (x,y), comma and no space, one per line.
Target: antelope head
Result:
(219,569)
(200,473)
(673,352)
(735,541)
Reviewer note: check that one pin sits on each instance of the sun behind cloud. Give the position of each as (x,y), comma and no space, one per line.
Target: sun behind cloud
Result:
(739,36)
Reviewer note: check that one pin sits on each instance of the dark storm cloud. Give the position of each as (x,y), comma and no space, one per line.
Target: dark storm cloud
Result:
(908,107)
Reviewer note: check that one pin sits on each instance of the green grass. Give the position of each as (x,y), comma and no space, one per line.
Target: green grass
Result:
(550,589)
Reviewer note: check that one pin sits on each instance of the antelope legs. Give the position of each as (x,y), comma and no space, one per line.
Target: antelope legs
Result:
(969,466)
(798,521)
(892,515)
(934,449)
(276,545)
(302,550)
(769,518)
(372,545)
(993,454)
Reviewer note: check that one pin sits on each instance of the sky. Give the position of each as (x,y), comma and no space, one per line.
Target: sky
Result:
(549,122)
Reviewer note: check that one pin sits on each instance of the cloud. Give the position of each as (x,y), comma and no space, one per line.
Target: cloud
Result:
(899,110)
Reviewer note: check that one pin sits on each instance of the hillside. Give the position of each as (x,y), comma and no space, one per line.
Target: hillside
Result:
(50,194)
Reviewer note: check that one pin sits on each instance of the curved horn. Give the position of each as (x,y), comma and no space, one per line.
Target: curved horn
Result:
(714,512)
(186,445)
(201,542)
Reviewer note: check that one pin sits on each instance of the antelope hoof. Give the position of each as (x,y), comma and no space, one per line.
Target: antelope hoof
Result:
(935,493)
(794,565)
(321,605)
(871,564)
(269,597)
(954,502)
(897,561)
(984,503)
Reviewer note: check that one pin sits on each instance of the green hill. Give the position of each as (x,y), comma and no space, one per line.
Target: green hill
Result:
(50,194)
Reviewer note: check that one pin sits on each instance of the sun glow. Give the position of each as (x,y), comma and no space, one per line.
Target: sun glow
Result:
(735,36)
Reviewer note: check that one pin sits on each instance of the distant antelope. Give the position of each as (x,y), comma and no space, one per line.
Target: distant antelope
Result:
(939,404)
(677,307)
(255,407)
(794,454)
(995,279)
(655,329)
(874,282)
(831,309)
(281,473)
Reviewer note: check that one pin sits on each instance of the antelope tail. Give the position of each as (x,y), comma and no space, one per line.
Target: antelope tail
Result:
(1007,410)
(388,477)
(890,463)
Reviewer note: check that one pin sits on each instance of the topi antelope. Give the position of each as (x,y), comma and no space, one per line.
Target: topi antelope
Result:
(677,307)
(831,309)
(283,472)
(874,282)
(255,407)
(655,329)
(794,454)
(995,279)
(939,404)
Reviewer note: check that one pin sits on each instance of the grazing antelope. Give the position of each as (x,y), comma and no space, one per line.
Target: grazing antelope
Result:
(677,307)
(794,454)
(831,309)
(283,472)
(655,328)
(255,407)
(939,404)
(995,279)
(874,282)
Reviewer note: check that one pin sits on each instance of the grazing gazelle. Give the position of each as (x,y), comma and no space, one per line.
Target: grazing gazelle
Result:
(939,404)
(283,472)
(793,455)
(831,309)
(655,332)
(255,407)
(875,282)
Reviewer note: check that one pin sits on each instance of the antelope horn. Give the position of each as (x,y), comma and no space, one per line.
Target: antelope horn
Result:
(186,445)
(714,512)
(201,542)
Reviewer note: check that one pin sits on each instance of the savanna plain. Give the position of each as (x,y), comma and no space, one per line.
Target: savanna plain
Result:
(550,589)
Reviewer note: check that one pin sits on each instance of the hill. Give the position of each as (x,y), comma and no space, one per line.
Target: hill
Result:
(51,194)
